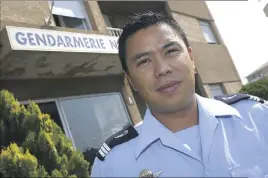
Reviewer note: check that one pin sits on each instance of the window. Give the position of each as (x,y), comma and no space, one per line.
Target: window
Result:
(70,14)
(51,109)
(87,120)
(216,89)
(207,32)
(70,22)
(93,119)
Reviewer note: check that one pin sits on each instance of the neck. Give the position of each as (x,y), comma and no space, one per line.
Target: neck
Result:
(181,120)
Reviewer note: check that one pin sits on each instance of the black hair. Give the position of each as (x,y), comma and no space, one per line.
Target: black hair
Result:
(141,21)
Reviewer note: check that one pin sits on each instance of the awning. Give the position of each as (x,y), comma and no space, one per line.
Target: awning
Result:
(43,53)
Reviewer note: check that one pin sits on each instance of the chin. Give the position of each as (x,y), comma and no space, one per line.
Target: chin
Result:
(176,105)
(169,109)
(165,107)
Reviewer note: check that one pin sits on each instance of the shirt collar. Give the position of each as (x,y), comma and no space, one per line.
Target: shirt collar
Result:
(152,130)
(216,108)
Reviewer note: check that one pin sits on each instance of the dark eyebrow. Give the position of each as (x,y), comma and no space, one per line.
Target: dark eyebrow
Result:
(171,44)
(137,56)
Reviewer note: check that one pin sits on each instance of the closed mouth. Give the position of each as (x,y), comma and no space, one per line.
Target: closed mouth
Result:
(168,87)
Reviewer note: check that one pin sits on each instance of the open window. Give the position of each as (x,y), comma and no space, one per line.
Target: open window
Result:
(70,14)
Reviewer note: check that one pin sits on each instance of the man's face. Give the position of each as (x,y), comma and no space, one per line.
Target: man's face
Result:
(160,68)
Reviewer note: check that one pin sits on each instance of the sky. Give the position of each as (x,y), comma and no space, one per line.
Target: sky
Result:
(243,27)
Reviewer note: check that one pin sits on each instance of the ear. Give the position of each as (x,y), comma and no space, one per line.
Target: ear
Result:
(190,52)
(191,57)
(130,81)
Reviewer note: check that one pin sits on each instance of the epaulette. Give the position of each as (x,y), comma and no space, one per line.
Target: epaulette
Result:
(124,135)
(234,98)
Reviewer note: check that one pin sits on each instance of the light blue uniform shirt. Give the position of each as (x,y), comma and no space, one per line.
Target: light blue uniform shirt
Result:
(191,138)
(233,139)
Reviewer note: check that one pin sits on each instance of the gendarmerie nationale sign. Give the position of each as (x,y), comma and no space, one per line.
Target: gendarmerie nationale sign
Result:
(51,40)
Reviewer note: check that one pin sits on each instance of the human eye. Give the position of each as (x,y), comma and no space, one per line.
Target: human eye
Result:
(172,51)
(142,62)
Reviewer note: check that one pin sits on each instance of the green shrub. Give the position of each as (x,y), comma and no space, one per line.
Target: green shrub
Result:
(33,145)
(258,88)
(15,162)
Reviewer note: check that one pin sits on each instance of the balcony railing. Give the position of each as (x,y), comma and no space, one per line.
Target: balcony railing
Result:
(114,31)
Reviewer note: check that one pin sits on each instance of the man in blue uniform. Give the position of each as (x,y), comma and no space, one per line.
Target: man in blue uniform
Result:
(183,134)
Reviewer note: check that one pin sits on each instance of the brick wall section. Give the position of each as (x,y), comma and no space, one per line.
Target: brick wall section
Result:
(133,109)
(229,87)
(95,16)
(191,8)
(208,91)
(190,26)
(29,12)
(232,87)
(213,63)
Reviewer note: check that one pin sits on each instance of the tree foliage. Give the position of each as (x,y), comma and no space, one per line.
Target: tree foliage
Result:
(258,88)
(33,145)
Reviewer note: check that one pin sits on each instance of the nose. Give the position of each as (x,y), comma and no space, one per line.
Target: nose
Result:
(161,68)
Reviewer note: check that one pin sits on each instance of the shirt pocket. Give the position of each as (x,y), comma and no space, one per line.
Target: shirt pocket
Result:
(255,169)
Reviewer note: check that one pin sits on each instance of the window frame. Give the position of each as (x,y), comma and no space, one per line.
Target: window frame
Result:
(86,22)
(62,115)
(205,23)
(63,24)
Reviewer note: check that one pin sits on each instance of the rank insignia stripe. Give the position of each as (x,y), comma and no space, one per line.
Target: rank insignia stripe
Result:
(124,135)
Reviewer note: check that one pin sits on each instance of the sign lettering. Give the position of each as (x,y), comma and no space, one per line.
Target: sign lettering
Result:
(51,40)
